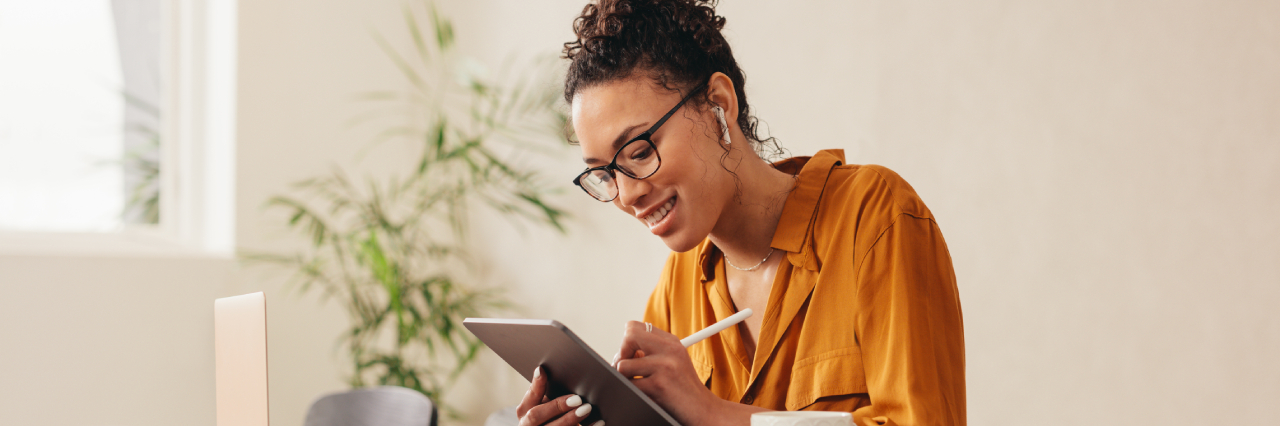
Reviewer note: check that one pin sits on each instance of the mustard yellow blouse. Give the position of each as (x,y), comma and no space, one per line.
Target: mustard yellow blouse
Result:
(864,315)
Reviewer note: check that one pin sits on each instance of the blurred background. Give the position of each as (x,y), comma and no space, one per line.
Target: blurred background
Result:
(1106,173)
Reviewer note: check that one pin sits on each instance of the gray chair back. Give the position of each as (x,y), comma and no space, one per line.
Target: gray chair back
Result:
(381,406)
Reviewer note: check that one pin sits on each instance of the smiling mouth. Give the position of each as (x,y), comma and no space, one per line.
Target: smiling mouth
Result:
(660,213)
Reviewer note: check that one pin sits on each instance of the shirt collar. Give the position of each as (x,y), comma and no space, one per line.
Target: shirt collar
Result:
(798,213)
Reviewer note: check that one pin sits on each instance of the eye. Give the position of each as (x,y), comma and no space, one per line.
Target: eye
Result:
(644,152)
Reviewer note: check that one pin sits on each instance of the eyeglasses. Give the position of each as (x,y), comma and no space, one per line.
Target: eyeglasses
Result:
(638,159)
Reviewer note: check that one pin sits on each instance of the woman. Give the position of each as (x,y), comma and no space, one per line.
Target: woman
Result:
(855,302)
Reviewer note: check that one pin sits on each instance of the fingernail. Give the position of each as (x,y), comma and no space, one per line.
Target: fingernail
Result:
(615,358)
(537,371)
(583,410)
(598,423)
(573,401)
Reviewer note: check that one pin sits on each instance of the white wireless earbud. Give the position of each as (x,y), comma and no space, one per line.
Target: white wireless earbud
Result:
(724,125)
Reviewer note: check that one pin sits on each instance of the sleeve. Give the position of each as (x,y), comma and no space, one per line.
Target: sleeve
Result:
(908,324)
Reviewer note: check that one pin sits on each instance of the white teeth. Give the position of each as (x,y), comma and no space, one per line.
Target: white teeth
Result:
(660,213)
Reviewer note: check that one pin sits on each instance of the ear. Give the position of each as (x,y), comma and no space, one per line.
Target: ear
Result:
(721,91)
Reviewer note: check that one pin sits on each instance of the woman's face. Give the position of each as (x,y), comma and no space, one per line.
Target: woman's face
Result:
(690,186)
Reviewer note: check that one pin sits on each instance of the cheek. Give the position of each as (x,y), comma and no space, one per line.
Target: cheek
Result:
(705,173)
(692,165)
(695,172)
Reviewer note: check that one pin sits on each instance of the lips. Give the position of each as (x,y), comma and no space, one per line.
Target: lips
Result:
(661,213)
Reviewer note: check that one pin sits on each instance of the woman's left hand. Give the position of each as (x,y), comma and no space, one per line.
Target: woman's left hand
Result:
(660,366)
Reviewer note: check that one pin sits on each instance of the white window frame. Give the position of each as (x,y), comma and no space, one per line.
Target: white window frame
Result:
(197,179)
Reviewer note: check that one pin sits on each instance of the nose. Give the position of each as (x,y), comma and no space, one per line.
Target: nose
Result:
(630,191)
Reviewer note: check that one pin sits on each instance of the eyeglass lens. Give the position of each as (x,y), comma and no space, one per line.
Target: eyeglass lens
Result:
(638,159)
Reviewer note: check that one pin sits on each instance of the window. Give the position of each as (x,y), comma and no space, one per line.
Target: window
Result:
(116,121)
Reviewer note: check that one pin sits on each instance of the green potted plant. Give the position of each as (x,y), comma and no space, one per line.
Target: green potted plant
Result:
(393,252)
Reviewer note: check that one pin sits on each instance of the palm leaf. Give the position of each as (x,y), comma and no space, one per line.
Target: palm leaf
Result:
(393,250)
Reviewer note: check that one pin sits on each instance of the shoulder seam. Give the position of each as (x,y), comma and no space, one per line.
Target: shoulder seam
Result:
(892,193)
(857,271)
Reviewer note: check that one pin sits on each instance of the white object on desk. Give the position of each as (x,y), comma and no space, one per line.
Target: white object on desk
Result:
(802,418)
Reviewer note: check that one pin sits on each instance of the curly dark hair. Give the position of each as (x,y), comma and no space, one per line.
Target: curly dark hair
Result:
(677,42)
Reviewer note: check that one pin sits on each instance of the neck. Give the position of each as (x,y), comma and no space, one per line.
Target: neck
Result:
(745,230)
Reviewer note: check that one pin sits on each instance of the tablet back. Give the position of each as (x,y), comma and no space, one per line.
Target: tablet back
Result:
(572,367)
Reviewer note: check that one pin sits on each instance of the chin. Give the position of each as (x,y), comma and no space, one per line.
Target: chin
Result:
(681,243)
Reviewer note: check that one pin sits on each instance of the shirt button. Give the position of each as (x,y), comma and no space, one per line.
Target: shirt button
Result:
(748,399)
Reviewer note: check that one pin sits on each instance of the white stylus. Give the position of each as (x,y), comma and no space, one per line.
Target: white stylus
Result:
(716,328)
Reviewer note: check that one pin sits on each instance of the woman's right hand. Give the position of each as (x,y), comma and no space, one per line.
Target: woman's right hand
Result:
(536,410)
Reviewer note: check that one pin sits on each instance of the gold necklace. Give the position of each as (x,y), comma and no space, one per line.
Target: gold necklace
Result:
(766,257)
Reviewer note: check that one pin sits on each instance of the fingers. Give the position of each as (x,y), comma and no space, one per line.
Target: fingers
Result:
(650,386)
(618,356)
(535,409)
(536,395)
(640,366)
(640,338)
(629,343)
(563,411)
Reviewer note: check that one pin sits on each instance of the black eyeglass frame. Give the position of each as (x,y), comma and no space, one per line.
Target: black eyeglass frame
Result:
(646,136)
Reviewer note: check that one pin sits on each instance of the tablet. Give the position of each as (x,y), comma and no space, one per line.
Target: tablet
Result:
(572,367)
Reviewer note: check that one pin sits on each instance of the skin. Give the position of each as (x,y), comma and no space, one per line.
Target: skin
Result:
(739,215)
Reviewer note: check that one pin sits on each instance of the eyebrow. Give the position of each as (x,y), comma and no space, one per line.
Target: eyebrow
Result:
(617,142)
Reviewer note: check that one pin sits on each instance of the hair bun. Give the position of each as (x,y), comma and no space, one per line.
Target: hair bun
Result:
(677,42)
(607,20)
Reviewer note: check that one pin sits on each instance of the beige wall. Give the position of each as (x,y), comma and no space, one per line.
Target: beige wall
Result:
(1107,175)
